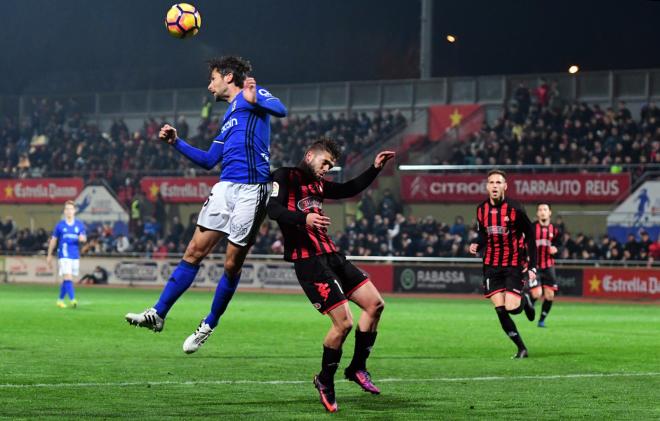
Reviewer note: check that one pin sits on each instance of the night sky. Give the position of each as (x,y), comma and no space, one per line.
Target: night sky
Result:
(83,45)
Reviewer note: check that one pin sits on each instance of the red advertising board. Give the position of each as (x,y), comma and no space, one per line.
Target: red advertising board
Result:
(556,188)
(382,275)
(177,189)
(621,283)
(40,190)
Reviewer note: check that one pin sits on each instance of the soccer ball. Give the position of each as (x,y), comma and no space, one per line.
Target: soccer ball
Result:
(183,20)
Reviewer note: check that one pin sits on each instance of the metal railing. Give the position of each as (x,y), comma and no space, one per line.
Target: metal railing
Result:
(376,259)
(605,88)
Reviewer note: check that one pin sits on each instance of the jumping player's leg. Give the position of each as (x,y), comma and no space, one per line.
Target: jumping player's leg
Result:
(372,305)
(370,301)
(342,323)
(323,290)
(247,210)
(202,243)
(228,283)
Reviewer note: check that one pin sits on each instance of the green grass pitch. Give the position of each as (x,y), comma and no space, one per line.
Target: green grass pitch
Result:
(434,359)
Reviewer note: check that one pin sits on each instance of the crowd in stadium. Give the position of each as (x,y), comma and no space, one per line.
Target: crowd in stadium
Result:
(539,128)
(57,139)
(376,230)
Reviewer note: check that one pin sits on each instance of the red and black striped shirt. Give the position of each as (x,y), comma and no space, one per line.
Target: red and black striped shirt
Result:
(295,194)
(501,228)
(546,237)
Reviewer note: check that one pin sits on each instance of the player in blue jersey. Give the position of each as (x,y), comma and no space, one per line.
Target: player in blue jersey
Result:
(67,236)
(237,204)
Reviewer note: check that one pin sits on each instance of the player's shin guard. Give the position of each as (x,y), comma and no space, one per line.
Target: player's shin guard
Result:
(180,280)
(364,341)
(545,309)
(509,327)
(329,365)
(223,294)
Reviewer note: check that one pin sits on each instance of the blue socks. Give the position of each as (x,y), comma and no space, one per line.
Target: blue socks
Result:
(180,280)
(67,288)
(223,293)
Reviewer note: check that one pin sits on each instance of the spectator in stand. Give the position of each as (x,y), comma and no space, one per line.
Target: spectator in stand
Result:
(654,251)
(160,214)
(632,248)
(523,98)
(176,230)
(122,245)
(644,243)
(542,93)
(366,208)
(458,228)
(389,206)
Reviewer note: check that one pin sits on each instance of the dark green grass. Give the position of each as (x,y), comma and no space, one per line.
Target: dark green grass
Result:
(434,359)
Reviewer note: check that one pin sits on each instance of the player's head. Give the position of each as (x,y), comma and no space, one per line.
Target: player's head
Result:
(227,75)
(69,209)
(320,157)
(543,211)
(496,185)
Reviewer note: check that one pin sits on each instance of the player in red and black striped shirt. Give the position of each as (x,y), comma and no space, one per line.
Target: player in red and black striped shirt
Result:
(547,239)
(502,223)
(325,275)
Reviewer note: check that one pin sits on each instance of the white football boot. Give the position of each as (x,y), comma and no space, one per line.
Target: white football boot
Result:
(197,339)
(148,318)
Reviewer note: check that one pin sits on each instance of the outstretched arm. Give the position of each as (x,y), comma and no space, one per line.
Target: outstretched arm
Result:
(261,98)
(205,159)
(359,183)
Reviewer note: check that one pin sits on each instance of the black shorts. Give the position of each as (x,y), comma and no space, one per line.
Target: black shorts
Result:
(328,280)
(502,279)
(548,278)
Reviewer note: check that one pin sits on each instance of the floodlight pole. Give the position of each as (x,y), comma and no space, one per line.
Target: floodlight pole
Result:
(426,34)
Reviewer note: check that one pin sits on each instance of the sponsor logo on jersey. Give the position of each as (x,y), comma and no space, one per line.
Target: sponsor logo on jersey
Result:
(310,202)
(228,125)
(276,189)
(496,229)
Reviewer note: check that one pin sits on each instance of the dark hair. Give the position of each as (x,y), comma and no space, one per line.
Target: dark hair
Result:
(496,171)
(544,203)
(237,66)
(328,145)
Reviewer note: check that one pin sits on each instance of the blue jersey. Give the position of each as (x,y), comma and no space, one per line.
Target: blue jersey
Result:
(243,144)
(67,238)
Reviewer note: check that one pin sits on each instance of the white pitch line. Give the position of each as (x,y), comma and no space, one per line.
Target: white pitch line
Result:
(279,382)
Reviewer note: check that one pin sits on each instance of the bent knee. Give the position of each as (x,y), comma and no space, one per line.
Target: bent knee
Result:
(194,253)
(511,306)
(344,326)
(376,309)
